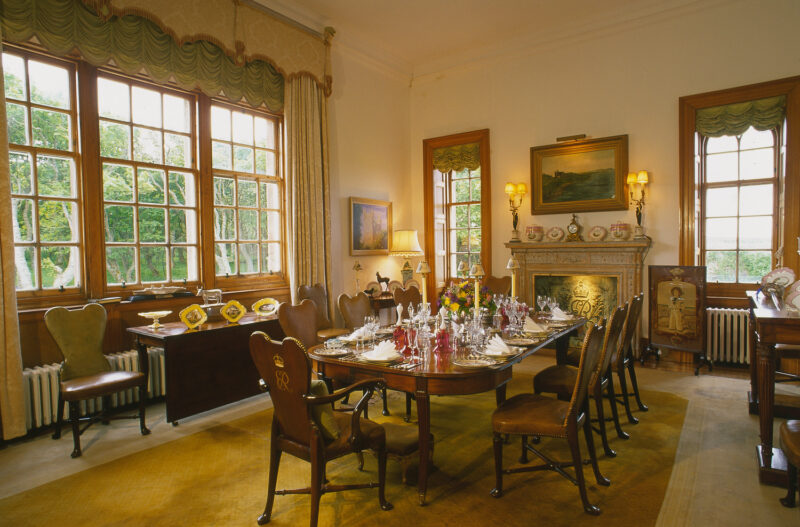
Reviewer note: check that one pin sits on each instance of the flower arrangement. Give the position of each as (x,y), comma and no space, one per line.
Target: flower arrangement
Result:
(460,298)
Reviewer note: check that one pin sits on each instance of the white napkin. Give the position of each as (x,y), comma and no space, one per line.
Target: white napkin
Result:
(383,351)
(560,315)
(496,346)
(360,333)
(532,327)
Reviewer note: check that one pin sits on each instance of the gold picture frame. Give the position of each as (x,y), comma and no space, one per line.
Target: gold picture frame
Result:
(580,176)
(370,226)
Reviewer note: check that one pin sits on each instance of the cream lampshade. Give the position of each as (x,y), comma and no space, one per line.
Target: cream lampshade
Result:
(405,243)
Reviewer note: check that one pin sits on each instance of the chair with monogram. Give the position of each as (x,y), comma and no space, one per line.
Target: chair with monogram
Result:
(300,321)
(304,425)
(317,294)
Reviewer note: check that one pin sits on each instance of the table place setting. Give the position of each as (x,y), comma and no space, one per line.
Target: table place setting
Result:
(499,350)
(383,353)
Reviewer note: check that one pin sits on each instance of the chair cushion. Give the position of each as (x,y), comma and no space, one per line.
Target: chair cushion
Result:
(559,379)
(401,440)
(790,441)
(372,435)
(531,414)
(104,383)
(329,333)
(323,413)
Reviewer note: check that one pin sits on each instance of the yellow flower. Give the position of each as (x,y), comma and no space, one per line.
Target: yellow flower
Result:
(454,307)
(462,294)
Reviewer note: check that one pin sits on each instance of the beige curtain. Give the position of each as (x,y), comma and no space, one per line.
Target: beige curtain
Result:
(307,182)
(12,405)
(457,157)
(735,119)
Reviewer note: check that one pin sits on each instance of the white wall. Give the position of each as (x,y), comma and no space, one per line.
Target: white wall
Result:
(369,144)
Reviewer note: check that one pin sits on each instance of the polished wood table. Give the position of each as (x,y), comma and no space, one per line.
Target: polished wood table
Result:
(207,367)
(435,377)
(769,326)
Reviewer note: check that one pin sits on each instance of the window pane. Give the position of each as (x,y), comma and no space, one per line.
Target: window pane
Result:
(17,118)
(117,182)
(56,177)
(115,140)
(184,263)
(223,191)
(243,159)
(113,99)
(460,216)
(224,226)
(758,164)
(264,133)
(242,128)
(50,129)
(273,226)
(146,107)
(49,84)
(248,225)
(461,240)
(221,155)
(177,150)
(25,258)
(721,201)
(753,138)
(179,222)
(146,145)
(756,199)
(269,162)
(152,226)
(177,115)
(475,241)
(755,232)
(220,123)
(475,184)
(21,173)
(225,258)
(154,264)
(248,258)
(459,175)
(119,223)
(753,265)
(14,76)
(58,221)
(151,186)
(721,167)
(475,216)
(461,191)
(721,266)
(22,218)
(726,143)
(270,257)
(721,233)
(59,267)
(181,189)
(269,196)
(120,265)
(248,190)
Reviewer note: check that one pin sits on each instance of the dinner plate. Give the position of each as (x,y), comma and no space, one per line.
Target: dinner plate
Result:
(385,331)
(519,341)
(333,352)
(473,364)
(793,288)
(391,360)
(781,276)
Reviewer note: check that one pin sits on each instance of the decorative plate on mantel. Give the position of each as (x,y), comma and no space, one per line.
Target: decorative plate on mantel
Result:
(597,233)
(555,234)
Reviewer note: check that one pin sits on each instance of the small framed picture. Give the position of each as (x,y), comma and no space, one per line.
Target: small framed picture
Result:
(370,226)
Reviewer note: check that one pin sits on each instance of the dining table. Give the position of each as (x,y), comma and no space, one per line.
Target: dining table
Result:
(437,374)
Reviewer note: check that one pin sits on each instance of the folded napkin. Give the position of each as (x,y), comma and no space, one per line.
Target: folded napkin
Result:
(496,346)
(383,351)
(557,314)
(360,333)
(532,327)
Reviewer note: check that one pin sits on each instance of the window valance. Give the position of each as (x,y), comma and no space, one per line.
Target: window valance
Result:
(134,43)
(457,157)
(735,119)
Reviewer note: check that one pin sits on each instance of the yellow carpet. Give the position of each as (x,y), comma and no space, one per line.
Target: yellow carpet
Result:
(218,477)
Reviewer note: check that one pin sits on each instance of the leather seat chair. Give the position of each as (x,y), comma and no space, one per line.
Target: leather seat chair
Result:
(354,309)
(561,378)
(623,360)
(300,322)
(304,425)
(498,285)
(790,444)
(407,297)
(85,372)
(317,294)
(530,414)
(402,443)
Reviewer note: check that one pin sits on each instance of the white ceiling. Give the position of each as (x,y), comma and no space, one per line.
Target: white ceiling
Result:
(416,37)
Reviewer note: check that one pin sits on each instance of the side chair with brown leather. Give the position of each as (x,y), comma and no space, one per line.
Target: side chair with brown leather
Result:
(354,309)
(304,425)
(407,297)
(86,373)
(317,294)
(530,414)
(624,361)
(498,285)
(299,321)
(561,378)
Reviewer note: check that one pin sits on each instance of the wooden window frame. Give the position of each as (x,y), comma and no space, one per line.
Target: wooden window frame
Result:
(724,294)
(428,146)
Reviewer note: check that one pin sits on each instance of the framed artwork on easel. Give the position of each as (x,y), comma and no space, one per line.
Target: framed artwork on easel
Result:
(677,309)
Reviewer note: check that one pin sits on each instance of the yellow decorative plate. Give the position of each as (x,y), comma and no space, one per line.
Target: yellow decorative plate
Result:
(193,316)
(265,307)
(233,311)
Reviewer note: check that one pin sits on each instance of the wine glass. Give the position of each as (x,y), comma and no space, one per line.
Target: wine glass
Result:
(552,303)
(541,301)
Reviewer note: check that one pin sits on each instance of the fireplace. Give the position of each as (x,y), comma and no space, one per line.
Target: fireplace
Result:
(590,296)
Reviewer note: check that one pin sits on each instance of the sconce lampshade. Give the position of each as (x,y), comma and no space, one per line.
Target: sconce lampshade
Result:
(522,189)
(512,264)
(477,271)
(405,243)
(423,267)
(462,267)
(642,178)
(510,188)
(632,178)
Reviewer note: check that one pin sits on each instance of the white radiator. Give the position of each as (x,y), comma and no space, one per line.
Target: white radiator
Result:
(728,338)
(40,386)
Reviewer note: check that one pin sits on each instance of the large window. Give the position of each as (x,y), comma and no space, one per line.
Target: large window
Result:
(106,179)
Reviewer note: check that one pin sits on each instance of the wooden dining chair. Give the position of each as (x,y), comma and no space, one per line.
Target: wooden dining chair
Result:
(86,373)
(304,425)
(530,414)
(317,294)
(623,361)
(498,285)
(299,321)
(407,297)
(561,378)
(354,309)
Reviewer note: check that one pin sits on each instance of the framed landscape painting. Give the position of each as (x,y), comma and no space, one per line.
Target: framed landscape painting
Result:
(580,176)
(370,226)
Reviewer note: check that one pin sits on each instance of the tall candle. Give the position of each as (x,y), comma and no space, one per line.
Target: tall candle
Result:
(477,296)
(424,289)
(513,283)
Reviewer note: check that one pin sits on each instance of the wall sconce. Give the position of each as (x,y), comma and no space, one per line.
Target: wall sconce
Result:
(405,244)
(424,269)
(477,272)
(515,194)
(638,179)
(513,266)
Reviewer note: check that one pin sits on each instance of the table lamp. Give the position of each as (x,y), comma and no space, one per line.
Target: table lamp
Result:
(405,244)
